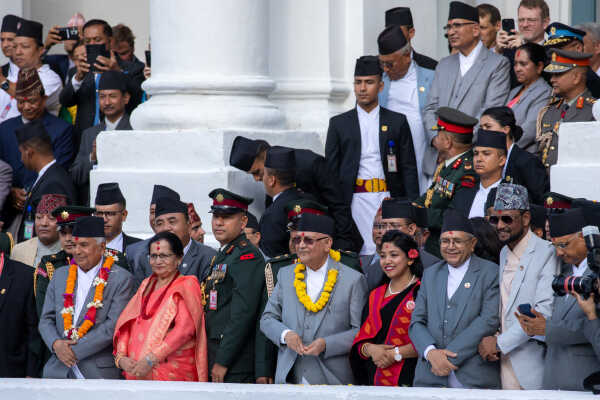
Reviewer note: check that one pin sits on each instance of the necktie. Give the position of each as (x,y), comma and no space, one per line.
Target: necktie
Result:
(97,112)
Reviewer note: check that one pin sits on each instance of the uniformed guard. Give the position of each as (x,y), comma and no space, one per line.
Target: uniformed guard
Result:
(232,294)
(572,101)
(454,143)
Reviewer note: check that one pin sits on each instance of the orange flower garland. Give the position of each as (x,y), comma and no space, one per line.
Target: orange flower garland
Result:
(69,306)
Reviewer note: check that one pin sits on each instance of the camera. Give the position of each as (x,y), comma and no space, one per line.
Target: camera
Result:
(68,33)
(584,285)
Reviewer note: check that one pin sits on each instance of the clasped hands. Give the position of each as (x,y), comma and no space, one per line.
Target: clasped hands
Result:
(139,368)
(294,342)
(440,365)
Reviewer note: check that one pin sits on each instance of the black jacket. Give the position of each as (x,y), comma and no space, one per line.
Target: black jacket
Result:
(463,200)
(128,241)
(525,169)
(274,235)
(343,149)
(423,61)
(19,337)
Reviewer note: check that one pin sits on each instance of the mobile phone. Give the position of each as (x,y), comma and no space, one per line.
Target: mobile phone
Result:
(525,309)
(68,33)
(93,51)
(148,54)
(508,25)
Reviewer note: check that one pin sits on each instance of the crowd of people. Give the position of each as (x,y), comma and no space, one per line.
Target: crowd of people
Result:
(420,250)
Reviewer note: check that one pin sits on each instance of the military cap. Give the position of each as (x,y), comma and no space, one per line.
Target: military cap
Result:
(367,65)
(280,158)
(89,227)
(31,130)
(538,216)
(456,221)
(9,23)
(163,191)
(391,40)
(252,221)
(454,121)
(560,34)
(31,29)
(565,60)
(397,208)
(228,202)
(461,10)
(244,151)
(591,210)
(29,83)
(316,223)
(49,202)
(557,200)
(493,139)
(398,16)
(169,205)
(112,80)
(567,223)
(67,215)
(109,193)
(192,214)
(296,208)
(510,196)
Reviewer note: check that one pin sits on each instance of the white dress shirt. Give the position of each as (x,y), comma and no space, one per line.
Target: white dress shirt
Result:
(116,243)
(466,62)
(112,126)
(478,206)
(581,268)
(507,158)
(42,172)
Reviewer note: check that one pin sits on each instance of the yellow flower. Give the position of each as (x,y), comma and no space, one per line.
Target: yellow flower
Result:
(335,255)
(300,286)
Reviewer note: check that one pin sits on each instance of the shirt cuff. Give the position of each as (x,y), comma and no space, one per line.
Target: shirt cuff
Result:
(540,338)
(76,84)
(428,349)
(282,338)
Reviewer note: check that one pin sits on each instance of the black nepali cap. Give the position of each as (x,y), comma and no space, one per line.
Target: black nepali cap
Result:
(280,158)
(538,216)
(421,217)
(252,221)
(244,151)
(89,227)
(398,16)
(31,29)
(367,65)
(113,80)
(227,202)
(169,205)
(493,139)
(397,208)
(163,191)
(591,210)
(461,10)
(9,23)
(109,193)
(391,39)
(316,223)
(31,130)
(455,221)
(567,223)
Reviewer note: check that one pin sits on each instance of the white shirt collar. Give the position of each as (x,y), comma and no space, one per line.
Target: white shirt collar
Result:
(43,171)
(116,243)
(315,280)
(461,267)
(493,185)
(276,196)
(187,247)
(111,126)
(84,283)
(581,268)
(455,277)
(374,113)
(466,62)
(451,160)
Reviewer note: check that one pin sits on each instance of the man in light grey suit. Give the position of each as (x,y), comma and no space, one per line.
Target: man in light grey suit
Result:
(527,267)
(456,307)
(314,344)
(471,81)
(89,355)
(570,357)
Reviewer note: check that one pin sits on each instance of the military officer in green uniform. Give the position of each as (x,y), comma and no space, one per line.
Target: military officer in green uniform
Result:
(455,172)
(232,294)
(572,101)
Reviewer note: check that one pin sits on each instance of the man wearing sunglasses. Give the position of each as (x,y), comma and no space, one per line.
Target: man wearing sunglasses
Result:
(527,268)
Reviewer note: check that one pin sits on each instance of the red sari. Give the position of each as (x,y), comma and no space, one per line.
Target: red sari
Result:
(174,332)
(396,320)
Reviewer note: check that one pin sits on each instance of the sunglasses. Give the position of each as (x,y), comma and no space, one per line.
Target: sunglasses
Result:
(506,219)
(308,241)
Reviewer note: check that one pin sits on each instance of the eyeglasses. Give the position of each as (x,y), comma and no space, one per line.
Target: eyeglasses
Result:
(457,25)
(103,214)
(457,242)
(506,219)
(528,20)
(308,241)
(387,64)
(389,226)
(563,245)
(161,257)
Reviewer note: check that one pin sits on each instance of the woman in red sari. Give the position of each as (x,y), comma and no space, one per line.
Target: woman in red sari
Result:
(382,353)
(160,335)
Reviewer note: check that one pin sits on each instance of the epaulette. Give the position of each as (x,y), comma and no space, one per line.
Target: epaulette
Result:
(590,100)
(349,253)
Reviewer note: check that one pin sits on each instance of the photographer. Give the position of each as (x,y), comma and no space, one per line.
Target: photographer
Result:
(570,355)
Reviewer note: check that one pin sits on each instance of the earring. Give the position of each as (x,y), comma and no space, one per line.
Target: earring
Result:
(410,262)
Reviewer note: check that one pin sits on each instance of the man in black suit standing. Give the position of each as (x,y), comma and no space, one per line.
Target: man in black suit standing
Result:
(35,147)
(372,149)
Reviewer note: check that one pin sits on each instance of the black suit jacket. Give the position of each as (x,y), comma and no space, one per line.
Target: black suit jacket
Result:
(5,69)
(423,61)
(463,199)
(343,149)
(55,180)
(315,177)
(128,241)
(274,236)
(526,169)
(18,318)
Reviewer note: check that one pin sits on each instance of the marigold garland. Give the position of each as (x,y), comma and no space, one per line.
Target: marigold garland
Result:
(69,306)
(300,285)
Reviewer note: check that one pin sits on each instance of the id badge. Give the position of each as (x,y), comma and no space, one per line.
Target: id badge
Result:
(28,230)
(212,302)
(392,165)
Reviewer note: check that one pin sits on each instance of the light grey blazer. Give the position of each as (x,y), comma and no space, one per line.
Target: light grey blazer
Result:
(570,356)
(531,284)
(527,108)
(485,85)
(94,350)
(338,323)
(457,324)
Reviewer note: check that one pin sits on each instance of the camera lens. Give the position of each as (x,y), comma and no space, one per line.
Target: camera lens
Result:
(584,285)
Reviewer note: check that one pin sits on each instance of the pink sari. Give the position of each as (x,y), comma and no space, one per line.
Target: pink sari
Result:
(175,333)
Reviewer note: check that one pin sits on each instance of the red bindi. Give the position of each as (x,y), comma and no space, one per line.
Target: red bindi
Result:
(518,53)
(500,212)
(76,238)
(450,233)
(157,247)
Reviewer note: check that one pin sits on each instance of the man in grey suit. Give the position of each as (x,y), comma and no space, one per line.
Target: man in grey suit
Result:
(77,354)
(112,98)
(171,215)
(6,177)
(314,337)
(456,307)
(471,80)
(527,267)
(570,357)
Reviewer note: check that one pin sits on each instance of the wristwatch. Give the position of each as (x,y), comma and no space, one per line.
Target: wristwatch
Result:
(5,85)
(397,356)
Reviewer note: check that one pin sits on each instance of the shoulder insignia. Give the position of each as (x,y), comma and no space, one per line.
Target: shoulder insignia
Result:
(468,165)
(229,250)
(249,256)
(50,270)
(457,163)
(580,101)
(243,243)
(467,181)
(269,281)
